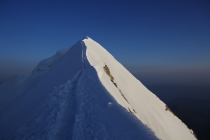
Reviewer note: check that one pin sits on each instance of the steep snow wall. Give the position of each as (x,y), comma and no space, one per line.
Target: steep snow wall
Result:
(134,96)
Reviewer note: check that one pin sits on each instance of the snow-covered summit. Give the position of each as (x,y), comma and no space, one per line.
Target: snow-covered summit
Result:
(86,37)
(83,93)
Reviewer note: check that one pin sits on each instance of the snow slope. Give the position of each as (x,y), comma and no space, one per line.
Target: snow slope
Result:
(85,94)
(14,88)
(132,95)
(9,88)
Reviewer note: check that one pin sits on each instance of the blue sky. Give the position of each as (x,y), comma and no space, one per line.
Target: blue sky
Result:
(159,41)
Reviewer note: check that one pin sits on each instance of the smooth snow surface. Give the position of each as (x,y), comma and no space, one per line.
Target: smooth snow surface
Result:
(135,97)
(83,93)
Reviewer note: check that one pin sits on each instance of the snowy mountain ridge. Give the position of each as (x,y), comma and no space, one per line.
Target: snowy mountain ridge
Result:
(132,99)
(20,83)
(83,93)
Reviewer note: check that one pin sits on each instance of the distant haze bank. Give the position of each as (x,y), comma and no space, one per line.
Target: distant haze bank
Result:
(168,93)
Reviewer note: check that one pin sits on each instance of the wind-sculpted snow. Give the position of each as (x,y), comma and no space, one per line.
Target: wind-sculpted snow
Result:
(83,93)
(51,119)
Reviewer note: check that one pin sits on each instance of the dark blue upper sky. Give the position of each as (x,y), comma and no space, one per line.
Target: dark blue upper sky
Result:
(159,41)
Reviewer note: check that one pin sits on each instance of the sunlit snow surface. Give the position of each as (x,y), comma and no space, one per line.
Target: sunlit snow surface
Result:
(70,96)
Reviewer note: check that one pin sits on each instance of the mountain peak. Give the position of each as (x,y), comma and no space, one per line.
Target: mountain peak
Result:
(86,37)
(85,93)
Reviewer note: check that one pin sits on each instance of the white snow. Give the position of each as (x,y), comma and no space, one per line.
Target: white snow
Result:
(83,93)
(132,95)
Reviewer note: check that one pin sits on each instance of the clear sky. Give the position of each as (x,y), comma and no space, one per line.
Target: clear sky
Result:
(159,41)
